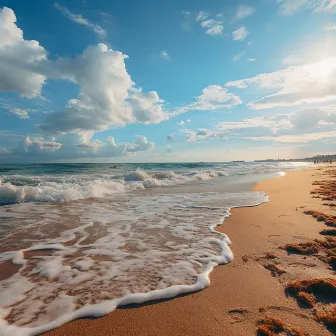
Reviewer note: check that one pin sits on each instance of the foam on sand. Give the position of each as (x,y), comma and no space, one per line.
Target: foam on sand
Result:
(134,249)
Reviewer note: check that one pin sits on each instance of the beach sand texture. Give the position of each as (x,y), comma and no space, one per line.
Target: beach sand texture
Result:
(244,291)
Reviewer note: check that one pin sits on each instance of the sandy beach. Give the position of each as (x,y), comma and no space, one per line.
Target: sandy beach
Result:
(244,291)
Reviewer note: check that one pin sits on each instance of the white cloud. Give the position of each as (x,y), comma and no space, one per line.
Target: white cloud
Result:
(109,148)
(238,56)
(314,118)
(210,23)
(330,27)
(202,134)
(20,59)
(212,27)
(273,123)
(107,95)
(243,11)
(213,97)
(86,145)
(104,88)
(75,146)
(289,7)
(297,138)
(240,34)
(39,144)
(202,16)
(183,123)
(146,107)
(293,127)
(296,85)
(291,60)
(22,114)
(216,30)
(165,55)
(251,59)
(81,20)
(5,151)
(140,144)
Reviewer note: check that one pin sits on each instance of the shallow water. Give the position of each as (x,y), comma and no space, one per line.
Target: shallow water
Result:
(87,256)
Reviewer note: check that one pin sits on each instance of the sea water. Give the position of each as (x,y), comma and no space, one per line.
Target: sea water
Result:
(82,239)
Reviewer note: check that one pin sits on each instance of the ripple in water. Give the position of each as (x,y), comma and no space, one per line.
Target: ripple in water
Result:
(85,258)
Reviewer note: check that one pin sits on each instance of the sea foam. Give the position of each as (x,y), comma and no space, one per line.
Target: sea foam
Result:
(19,189)
(93,256)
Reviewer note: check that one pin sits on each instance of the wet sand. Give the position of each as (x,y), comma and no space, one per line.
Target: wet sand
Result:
(244,291)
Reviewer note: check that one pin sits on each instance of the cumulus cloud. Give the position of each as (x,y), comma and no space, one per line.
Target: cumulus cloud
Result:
(22,114)
(296,85)
(107,95)
(38,144)
(289,7)
(240,34)
(90,145)
(109,148)
(20,59)
(97,148)
(146,107)
(81,20)
(243,11)
(140,144)
(104,85)
(213,97)
(74,147)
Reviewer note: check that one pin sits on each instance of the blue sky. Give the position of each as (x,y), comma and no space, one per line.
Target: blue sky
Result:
(104,81)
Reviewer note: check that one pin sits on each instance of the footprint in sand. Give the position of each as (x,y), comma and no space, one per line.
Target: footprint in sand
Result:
(238,315)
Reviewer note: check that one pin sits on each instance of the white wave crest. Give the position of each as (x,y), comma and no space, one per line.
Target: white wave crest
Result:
(69,188)
(58,192)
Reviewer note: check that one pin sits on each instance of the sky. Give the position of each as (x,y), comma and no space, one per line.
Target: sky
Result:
(166,81)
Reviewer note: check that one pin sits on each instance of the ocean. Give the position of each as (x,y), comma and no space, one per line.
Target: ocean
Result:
(80,240)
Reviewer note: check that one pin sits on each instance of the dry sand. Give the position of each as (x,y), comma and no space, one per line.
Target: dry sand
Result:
(230,306)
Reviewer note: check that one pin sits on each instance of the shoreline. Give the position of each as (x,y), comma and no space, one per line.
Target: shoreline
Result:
(241,292)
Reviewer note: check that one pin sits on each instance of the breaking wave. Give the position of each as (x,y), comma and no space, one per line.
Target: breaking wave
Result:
(18,189)
(67,182)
